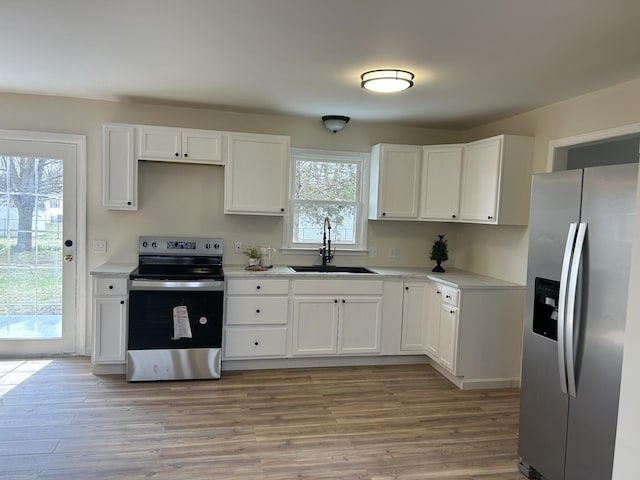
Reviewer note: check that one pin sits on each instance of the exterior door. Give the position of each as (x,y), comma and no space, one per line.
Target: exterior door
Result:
(38,266)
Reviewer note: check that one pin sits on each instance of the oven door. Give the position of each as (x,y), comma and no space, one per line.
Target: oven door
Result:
(174,332)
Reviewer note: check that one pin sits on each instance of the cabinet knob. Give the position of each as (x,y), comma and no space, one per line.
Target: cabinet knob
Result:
(186,155)
(110,287)
(489,217)
(344,301)
(128,203)
(452,312)
(282,209)
(438,292)
(406,288)
(121,302)
(256,343)
(453,216)
(257,287)
(335,301)
(448,296)
(258,311)
(177,154)
(384,214)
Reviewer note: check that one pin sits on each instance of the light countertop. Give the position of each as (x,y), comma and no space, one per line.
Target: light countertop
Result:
(452,277)
(114,268)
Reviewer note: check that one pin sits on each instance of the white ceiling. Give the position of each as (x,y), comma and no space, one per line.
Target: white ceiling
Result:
(474,60)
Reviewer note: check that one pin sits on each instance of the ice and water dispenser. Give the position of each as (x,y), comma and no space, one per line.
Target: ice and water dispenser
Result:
(545,308)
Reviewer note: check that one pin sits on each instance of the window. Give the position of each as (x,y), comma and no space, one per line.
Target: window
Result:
(327,184)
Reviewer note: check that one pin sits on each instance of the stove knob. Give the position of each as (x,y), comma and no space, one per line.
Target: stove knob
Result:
(207,246)
(216,246)
(145,244)
(154,244)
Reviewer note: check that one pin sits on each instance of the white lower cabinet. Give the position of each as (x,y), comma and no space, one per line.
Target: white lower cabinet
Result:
(336,317)
(474,335)
(257,317)
(442,325)
(110,306)
(414,316)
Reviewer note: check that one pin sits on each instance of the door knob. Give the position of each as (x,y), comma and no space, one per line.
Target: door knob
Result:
(68,258)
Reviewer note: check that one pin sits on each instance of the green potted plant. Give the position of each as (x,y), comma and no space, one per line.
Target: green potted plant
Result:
(439,253)
(254,255)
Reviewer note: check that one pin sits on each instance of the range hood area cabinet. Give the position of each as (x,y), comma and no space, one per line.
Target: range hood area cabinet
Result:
(256,166)
(487,181)
(176,145)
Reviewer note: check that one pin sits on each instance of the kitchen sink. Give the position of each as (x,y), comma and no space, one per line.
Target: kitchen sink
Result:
(329,269)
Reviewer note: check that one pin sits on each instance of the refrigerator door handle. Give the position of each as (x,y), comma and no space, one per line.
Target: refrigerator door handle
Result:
(571,308)
(562,308)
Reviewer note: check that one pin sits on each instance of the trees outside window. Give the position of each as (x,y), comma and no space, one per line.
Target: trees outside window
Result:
(327,184)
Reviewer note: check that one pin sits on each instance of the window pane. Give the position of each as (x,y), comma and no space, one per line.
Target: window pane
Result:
(308,221)
(321,180)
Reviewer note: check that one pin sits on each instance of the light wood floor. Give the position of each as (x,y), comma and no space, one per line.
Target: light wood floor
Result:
(364,423)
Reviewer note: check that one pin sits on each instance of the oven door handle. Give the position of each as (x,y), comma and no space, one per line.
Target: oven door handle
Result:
(207,285)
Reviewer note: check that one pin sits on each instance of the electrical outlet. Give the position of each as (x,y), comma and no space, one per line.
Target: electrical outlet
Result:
(373,252)
(237,247)
(393,252)
(99,246)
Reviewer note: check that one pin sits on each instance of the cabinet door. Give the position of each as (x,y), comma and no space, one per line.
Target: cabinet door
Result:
(201,146)
(395,188)
(448,337)
(359,325)
(315,325)
(434,307)
(256,174)
(110,337)
(414,316)
(480,180)
(119,168)
(440,183)
(157,143)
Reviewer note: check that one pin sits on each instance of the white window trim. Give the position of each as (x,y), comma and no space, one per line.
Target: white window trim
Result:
(360,247)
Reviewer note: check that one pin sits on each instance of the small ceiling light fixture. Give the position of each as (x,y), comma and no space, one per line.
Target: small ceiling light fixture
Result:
(387,81)
(335,123)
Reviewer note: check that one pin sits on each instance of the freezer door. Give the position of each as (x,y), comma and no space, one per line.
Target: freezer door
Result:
(608,207)
(555,204)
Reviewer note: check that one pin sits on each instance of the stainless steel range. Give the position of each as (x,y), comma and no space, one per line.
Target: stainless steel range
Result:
(176,299)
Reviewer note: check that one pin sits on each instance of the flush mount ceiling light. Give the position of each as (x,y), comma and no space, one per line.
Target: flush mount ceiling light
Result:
(387,81)
(335,123)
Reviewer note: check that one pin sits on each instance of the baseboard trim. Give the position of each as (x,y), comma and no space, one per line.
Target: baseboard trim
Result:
(476,383)
(265,364)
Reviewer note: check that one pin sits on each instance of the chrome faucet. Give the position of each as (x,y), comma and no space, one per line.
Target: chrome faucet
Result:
(325,251)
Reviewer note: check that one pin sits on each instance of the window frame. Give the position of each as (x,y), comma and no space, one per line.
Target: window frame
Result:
(362,161)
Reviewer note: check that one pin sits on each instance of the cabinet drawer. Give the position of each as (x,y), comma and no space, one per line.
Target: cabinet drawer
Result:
(255,342)
(257,286)
(110,286)
(449,295)
(338,287)
(257,310)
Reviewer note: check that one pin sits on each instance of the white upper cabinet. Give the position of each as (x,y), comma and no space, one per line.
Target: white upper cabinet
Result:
(440,182)
(179,145)
(496,180)
(256,174)
(119,167)
(395,182)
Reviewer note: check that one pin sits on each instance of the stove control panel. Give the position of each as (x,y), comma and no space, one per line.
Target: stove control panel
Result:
(180,246)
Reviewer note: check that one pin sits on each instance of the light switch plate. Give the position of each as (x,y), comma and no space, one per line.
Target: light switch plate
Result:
(99,246)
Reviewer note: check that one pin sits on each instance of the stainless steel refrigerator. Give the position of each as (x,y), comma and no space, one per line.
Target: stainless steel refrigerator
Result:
(580,236)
